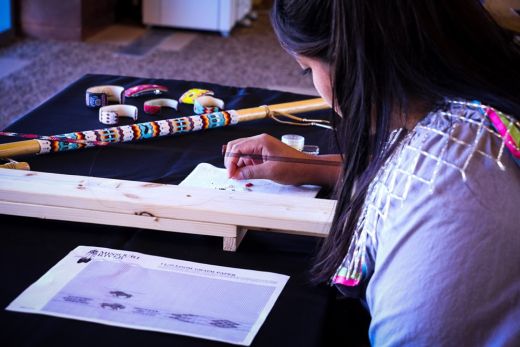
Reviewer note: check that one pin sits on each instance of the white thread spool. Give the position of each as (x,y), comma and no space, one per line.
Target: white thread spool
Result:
(295,141)
(311,149)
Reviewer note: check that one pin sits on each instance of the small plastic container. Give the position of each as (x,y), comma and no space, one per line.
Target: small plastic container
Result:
(311,149)
(295,141)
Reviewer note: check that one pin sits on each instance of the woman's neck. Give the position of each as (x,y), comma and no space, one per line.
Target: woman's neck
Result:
(409,117)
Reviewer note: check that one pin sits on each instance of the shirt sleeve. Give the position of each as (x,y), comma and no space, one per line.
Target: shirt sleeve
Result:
(447,269)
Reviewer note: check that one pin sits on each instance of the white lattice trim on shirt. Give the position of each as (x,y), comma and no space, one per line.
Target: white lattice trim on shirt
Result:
(422,143)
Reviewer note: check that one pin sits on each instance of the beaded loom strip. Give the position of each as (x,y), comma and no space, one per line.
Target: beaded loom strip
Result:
(126,133)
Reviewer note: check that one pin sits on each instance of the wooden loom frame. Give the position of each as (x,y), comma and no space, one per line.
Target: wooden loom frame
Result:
(200,211)
(160,206)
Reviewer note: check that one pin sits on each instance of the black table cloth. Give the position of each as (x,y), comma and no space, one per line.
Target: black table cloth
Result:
(31,246)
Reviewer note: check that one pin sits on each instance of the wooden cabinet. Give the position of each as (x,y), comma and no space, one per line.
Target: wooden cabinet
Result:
(63,19)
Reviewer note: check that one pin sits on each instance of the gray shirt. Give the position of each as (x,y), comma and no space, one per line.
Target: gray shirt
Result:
(440,233)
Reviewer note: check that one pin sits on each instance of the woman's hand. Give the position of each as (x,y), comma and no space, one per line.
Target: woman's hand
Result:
(249,158)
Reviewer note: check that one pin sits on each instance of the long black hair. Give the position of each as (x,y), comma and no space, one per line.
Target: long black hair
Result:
(384,54)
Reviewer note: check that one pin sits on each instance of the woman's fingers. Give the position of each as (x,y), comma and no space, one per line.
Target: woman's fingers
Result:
(248,158)
(253,172)
(241,153)
(231,159)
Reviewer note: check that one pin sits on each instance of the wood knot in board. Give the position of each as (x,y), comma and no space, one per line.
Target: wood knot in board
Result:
(147,214)
(144,213)
(152,185)
(131,196)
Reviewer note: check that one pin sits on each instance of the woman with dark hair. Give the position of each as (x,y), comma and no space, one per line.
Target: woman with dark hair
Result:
(427,228)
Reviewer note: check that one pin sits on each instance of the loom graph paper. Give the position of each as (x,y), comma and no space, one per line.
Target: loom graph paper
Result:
(139,291)
(208,176)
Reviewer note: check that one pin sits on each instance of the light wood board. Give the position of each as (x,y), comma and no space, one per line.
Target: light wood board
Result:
(191,210)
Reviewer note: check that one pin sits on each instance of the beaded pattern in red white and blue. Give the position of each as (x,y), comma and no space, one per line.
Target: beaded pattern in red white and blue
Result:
(134,132)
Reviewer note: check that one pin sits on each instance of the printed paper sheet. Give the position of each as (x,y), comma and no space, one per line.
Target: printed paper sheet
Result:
(134,290)
(208,176)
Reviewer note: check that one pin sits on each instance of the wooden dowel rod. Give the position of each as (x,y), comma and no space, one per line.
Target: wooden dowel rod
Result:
(13,149)
(28,147)
(260,112)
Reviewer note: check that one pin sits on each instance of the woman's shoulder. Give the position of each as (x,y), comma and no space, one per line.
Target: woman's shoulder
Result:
(458,138)
(449,217)
(454,149)
(453,160)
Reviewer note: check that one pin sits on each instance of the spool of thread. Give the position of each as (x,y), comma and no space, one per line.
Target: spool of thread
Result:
(295,141)
(311,149)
